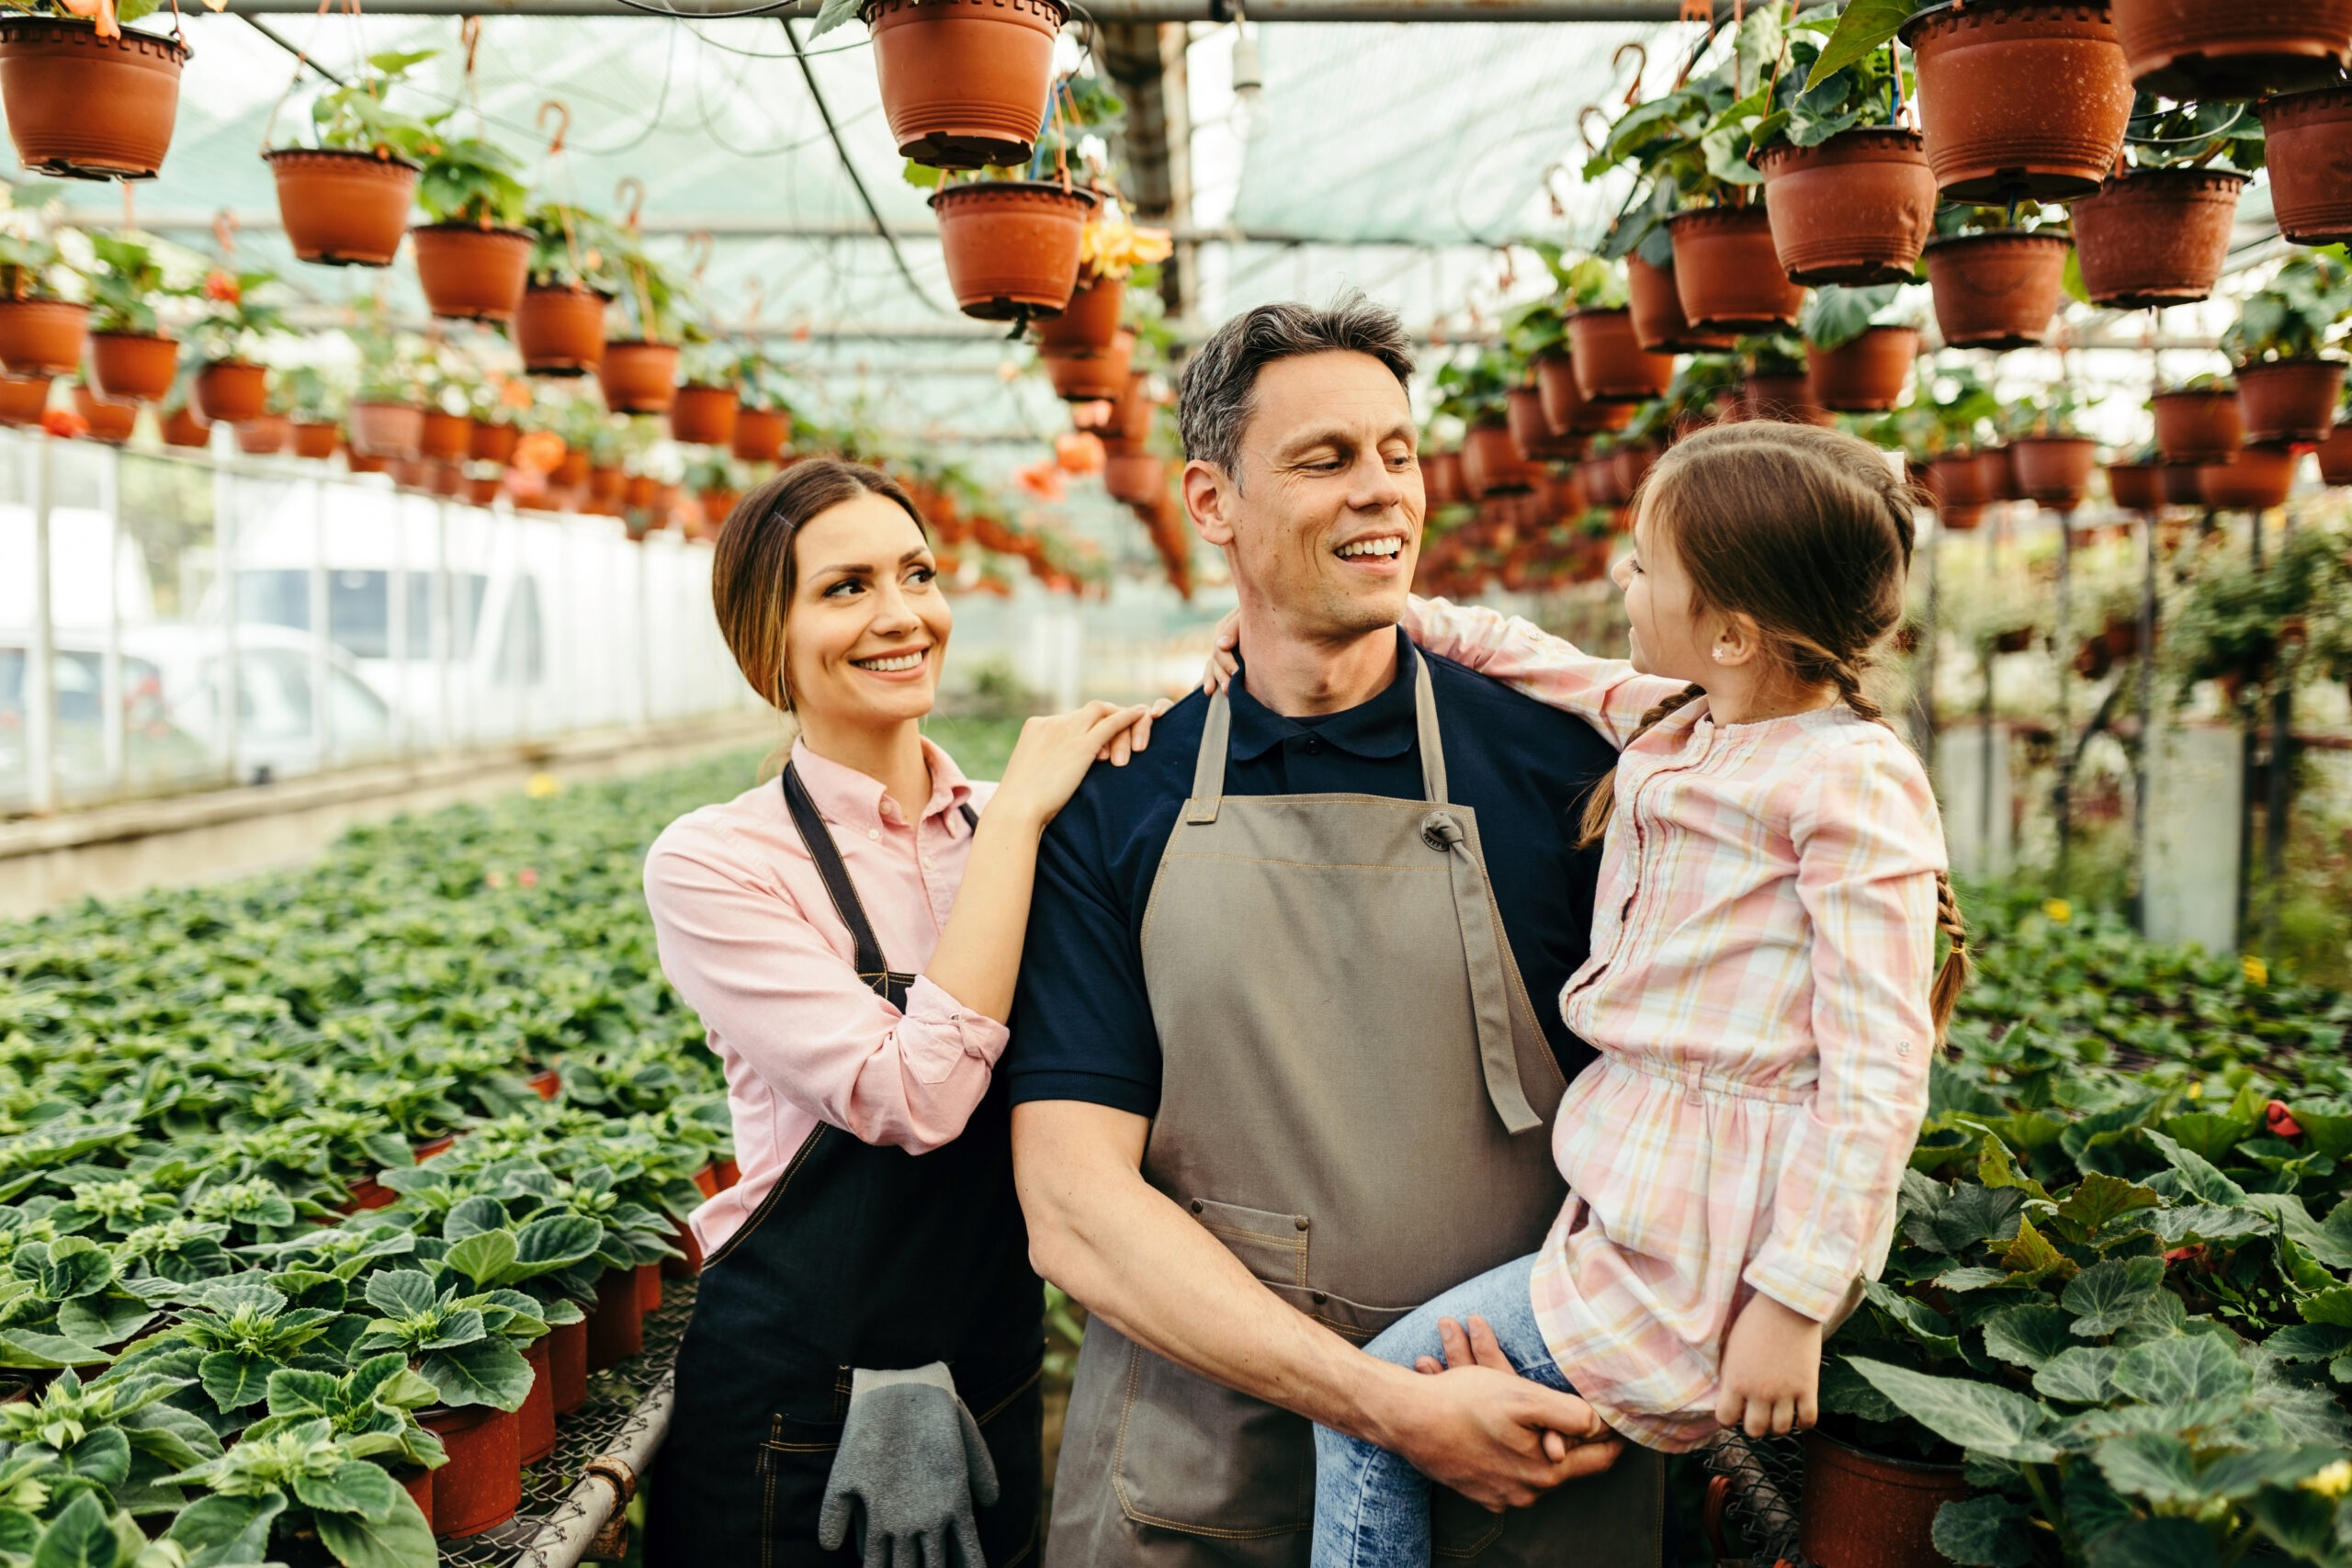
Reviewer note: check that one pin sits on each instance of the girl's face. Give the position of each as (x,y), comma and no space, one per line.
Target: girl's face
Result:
(867,625)
(1668,638)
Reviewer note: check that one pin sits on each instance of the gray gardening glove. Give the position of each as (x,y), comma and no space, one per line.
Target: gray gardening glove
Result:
(910,1466)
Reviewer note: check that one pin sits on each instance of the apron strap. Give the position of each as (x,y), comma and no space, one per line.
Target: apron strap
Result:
(1489,997)
(871,967)
(1208,768)
(1425,731)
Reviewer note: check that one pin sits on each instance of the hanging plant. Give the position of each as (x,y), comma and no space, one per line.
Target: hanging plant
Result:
(84,98)
(129,357)
(2233,48)
(2287,385)
(639,372)
(344,198)
(2158,230)
(2019,100)
(1996,275)
(963,81)
(1859,349)
(558,325)
(473,255)
(2309,137)
(231,387)
(1848,184)
(42,330)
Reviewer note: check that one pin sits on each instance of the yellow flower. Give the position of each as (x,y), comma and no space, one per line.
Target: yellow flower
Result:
(2058,909)
(2256,972)
(543,787)
(2333,1481)
(1114,247)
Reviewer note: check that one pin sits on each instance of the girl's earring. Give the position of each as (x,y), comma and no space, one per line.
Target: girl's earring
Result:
(1719,656)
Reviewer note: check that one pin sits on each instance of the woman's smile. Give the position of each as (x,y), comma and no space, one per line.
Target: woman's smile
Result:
(906,665)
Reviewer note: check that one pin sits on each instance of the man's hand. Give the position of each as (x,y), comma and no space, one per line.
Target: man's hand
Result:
(1497,1439)
(1771,1371)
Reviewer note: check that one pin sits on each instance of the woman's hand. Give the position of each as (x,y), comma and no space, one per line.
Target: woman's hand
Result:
(1055,751)
(1222,662)
(1771,1371)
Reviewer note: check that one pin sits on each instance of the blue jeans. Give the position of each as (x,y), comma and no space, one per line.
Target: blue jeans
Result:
(1371,1507)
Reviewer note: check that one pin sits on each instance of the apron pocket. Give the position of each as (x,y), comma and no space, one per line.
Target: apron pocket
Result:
(1196,1457)
(1272,1247)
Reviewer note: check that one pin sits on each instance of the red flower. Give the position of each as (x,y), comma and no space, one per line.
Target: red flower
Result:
(528,876)
(65,422)
(2282,1121)
(222,287)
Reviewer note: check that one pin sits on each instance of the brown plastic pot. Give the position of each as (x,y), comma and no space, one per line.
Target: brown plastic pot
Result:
(1728,273)
(2156,237)
(704,416)
(715,505)
(1996,290)
(2179,483)
(315,439)
(1010,245)
(2135,487)
(1865,375)
(1442,479)
(2258,480)
(470,273)
(1863,1510)
(2335,456)
(1566,408)
(568,1367)
(2290,402)
(2211,50)
(109,420)
(133,365)
(23,398)
(617,1323)
(232,390)
(487,440)
(444,437)
(183,427)
(482,489)
(418,1484)
(648,1280)
(963,82)
(266,436)
(1854,210)
(342,208)
(2019,98)
(1633,464)
(2054,469)
(1094,375)
(1787,397)
(558,329)
(387,430)
(2199,426)
(637,377)
(1134,477)
(1997,475)
(481,1485)
(1491,464)
(446,479)
(1955,481)
(84,106)
(1611,365)
(1600,484)
(1088,325)
(606,481)
(535,1423)
(760,434)
(1656,305)
(43,337)
(1531,433)
(2310,162)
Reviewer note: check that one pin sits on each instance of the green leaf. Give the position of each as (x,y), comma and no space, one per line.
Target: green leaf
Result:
(218,1529)
(103,1320)
(2099,1198)
(554,1241)
(2084,1375)
(2188,1367)
(2070,277)
(75,1267)
(2207,1133)
(832,13)
(401,1539)
(103,1456)
(2032,1256)
(487,1371)
(401,1293)
(2154,1544)
(2029,1337)
(1970,1214)
(2107,1296)
(2304,1523)
(472,1217)
(2333,1307)
(1928,1325)
(1867,26)
(483,1257)
(26,1347)
(1985,1532)
(2198,1176)
(235,1378)
(80,1537)
(353,1487)
(2240,1474)
(2154,1465)
(1975,1415)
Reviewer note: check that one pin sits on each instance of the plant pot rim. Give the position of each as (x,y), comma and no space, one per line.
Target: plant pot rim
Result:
(866,8)
(1866,332)
(535,287)
(390,159)
(136,337)
(1747,214)
(2301,362)
(1051,188)
(613,343)
(1597,311)
(2054,441)
(2193,392)
(2341,95)
(80,305)
(1921,19)
(2176,175)
(131,36)
(459,226)
(2061,238)
(234,361)
(1894,136)
(1925,1466)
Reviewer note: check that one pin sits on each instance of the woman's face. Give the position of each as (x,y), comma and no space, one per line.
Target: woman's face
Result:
(867,625)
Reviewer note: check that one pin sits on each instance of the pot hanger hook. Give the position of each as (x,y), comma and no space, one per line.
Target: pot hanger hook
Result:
(224,233)
(758,290)
(701,246)
(563,123)
(631,194)
(1642,55)
(1584,132)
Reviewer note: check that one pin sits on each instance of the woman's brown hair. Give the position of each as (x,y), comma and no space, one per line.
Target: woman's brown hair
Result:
(1808,532)
(756,569)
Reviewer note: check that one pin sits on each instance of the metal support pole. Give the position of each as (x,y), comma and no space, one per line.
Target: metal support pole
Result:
(2147,709)
(40,671)
(322,662)
(114,718)
(2062,648)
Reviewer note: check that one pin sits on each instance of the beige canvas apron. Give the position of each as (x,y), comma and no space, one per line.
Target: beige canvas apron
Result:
(1355,1097)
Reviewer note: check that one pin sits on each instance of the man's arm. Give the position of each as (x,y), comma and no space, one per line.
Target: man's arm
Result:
(1101,1233)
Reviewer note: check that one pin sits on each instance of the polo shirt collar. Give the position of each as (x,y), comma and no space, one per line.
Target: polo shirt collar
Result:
(1382,727)
(852,799)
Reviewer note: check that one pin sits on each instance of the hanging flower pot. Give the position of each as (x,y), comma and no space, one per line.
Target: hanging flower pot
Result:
(1955,482)
(23,398)
(1490,461)
(2213,49)
(1861,1510)
(1010,245)
(560,328)
(703,415)
(1134,477)
(183,427)
(387,430)
(760,434)
(342,208)
(1997,475)
(2054,469)
(43,337)
(86,106)
(1786,396)
(1600,477)
(2135,487)
(2310,161)
(2156,237)
(1728,273)
(2202,426)
(2258,480)
(1865,375)
(470,273)
(1633,463)
(1095,376)
(963,82)
(316,439)
(637,377)
(481,1485)
(109,421)
(138,366)
(2181,484)
(2291,400)
(1442,479)
(1996,290)
(1854,210)
(1530,432)
(1611,364)
(482,489)
(444,437)
(1089,324)
(607,482)
(2335,456)
(1656,306)
(445,477)
(2019,98)
(230,391)
(265,435)
(487,440)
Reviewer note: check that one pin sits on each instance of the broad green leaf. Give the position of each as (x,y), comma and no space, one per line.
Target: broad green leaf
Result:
(1960,1281)
(235,1378)
(218,1530)
(2308,1342)
(554,1241)
(1979,1417)
(2174,1370)
(2099,1198)
(2240,1474)
(76,1265)
(2155,1543)
(473,1216)
(462,1327)
(2302,1522)
(2333,1307)
(80,1537)
(1985,1532)
(1928,1325)
(2031,1254)
(2198,1176)
(2109,1296)
(2333,1246)
(833,14)
(1848,1392)
(483,1257)
(353,1487)
(104,1455)
(2029,1335)
(103,1320)
(2084,1375)
(1867,26)
(401,1539)
(1969,1215)
(2209,1222)
(1996,1168)
(2070,277)
(487,1371)
(401,1293)
(2210,1134)
(176,1439)
(2154,1465)
(291,1390)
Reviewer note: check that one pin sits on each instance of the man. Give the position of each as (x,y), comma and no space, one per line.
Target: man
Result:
(1278,1065)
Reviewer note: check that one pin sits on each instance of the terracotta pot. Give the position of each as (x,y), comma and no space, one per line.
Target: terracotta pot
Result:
(1611,365)
(638,490)
(232,390)
(704,415)
(318,440)
(690,1266)
(342,208)
(183,427)
(268,434)
(23,398)
(137,366)
(535,1423)
(482,489)
(2019,98)
(1492,464)
(1599,478)
(446,437)
(568,1367)
(2290,402)
(1091,376)
(730,1173)
(1955,481)
(2181,484)
(1997,475)
(2155,237)
(649,1289)
(418,1484)
(1442,479)
(2258,481)
(43,337)
(1866,375)
(1786,396)
(469,272)
(571,470)
(1728,273)
(560,328)
(1963,519)
(963,82)
(488,441)
(2335,456)
(2054,469)
(110,421)
(1660,325)
(1854,210)
(617,1323)
(2310,162)
(2134,487)
(1996,290)
(1134,477)
(481,1485)
(387,430)
(2198,427)
(1632,463)
(1862,1511)
(447,479)
(2210,49)
(84,106)
(607,482)
(1010,245)
(760,434)
(1088,325)
(637,377)
(1531,433)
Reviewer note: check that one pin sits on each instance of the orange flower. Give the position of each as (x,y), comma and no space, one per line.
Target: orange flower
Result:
(1043,480)
(539,452)
(65,423)
(1078,452)
(222,287)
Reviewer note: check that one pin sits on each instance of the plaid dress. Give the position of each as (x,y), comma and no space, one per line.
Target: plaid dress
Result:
(1762,941)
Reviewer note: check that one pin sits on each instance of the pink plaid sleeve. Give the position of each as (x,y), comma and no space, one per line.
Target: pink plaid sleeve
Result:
(1608,693)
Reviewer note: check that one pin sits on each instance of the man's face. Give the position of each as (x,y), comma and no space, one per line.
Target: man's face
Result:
(1325,524)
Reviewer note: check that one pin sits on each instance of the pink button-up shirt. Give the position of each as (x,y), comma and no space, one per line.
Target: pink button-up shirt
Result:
(750,939)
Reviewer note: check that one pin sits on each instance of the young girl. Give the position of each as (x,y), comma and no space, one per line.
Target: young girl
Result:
(1759,988)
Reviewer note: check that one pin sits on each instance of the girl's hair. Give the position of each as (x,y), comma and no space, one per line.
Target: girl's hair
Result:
(1807,531)
(755,567)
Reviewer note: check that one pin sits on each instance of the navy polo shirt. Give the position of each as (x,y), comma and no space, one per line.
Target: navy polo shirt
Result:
(1082,1021)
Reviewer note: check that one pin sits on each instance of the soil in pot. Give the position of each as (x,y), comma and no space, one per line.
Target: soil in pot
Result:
(1088,324)
(262,437)
(487,440)
(1996,290)
(109,420)
(535,1423)
(637,377)
(88,108)
(1656,305)
(558,329)
(1728,273)
(1611,365)
(315,440)
(1854,210)
(2054,469)
(568,1367)
(133,365)
(1866,375)
(342,208)
(2213,49)
(615,1323)
(2199,426)
(446,437)
(760,434)
(481,1485)
(43,337)
(232,390)
(963,82)
(704,416)
(2335,456)
(1863,1510)
(2019,98)
(2134,487)
(1442,479)
(1010,245)
(2310,162)
(1094,375)
(387,430)
(1787,397)
(2156,237)
(469,272)
(2258,481)
(2290,402)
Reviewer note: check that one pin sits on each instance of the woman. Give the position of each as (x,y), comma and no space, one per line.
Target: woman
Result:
(860,1377)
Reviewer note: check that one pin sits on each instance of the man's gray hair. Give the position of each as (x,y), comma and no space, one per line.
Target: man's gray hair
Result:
(1219,391)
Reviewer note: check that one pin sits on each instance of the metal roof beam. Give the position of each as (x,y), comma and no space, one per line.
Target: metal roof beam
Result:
(1106,11)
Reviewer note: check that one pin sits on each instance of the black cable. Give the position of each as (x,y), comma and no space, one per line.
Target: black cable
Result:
(274,36)
(825,112)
